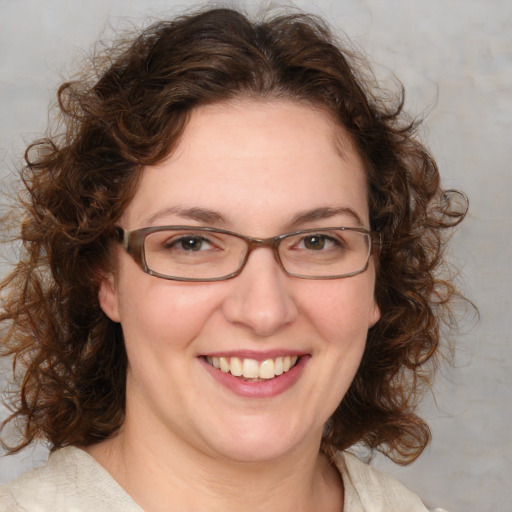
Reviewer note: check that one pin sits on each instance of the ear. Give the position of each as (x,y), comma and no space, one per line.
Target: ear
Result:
(374,314)
(108,297)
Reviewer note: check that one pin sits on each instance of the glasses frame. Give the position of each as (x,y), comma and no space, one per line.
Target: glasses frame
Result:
(133,243)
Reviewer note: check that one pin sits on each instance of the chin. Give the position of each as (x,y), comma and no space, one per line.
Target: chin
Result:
(251,454)
(260,445)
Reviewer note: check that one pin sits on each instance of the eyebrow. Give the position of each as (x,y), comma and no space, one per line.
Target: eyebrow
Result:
(214,218)
(324,213)
(198,214)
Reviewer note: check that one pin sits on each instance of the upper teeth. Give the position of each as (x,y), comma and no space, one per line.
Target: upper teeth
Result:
(251,368)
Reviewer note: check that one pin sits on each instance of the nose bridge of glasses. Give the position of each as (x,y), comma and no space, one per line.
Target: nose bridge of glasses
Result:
(261,243)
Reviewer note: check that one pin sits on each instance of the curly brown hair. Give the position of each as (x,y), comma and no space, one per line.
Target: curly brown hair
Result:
(126,111)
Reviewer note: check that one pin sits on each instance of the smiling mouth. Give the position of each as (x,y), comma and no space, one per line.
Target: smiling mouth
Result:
(251,369)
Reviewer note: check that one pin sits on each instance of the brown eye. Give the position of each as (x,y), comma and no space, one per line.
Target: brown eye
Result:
(189,243)
(192,243)
(315,242)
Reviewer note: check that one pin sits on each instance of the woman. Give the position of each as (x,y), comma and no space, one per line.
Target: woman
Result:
(232,273)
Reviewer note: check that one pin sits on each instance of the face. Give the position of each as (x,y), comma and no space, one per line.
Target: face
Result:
(260,169)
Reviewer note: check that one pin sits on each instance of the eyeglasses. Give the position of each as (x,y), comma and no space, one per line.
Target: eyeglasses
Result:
(187,253)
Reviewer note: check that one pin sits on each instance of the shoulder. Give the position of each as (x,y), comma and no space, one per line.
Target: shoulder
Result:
(71,480)
(368,489)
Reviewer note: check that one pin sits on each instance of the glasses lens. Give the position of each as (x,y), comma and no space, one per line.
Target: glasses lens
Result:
(325,253)
(193,254)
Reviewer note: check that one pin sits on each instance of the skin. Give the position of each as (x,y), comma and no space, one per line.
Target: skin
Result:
(188,440)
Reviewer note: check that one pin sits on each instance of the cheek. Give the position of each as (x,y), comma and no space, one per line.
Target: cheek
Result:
(341,308)
(159,313)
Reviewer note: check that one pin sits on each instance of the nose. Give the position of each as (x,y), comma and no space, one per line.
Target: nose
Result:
(259,299)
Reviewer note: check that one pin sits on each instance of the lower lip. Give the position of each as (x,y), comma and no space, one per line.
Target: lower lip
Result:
(261,389)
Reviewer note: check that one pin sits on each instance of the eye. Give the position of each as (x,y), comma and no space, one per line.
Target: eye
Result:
(189,243)
(318,242)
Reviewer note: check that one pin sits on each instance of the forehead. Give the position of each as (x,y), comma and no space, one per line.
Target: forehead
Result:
(265,160)
(265,125)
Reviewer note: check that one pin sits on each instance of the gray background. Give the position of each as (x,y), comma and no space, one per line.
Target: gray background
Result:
(455,59)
